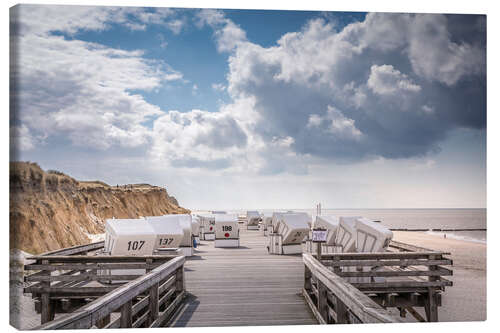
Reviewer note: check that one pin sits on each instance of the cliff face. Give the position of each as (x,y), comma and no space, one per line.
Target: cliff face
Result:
(50,210)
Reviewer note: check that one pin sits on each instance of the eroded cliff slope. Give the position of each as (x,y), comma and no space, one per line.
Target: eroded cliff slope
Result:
(50,210)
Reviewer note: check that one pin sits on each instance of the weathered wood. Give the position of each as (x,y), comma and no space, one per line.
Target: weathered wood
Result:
(313,307)
(46,305)
(389,262)
(361,305)
(431,309)
(307,278)
(402,284)
(126,315)
(179,280)
(407,247)
(153,303)
(70,290)
(99,266)
(141,320)
(323,301)
(75,249)
(415,314)
(103,322)
(107,259)
(88,315)
(382,255)
(166,297)
(341,312)
(243,286)
(81,277)
(439,272)
(403,300)
(164,316)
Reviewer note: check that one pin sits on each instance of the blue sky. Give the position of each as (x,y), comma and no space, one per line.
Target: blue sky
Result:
(251,108)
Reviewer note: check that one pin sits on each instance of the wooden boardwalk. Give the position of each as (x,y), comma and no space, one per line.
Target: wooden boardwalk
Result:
(243,286)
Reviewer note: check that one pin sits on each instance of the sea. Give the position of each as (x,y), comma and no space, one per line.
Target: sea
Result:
(423,218)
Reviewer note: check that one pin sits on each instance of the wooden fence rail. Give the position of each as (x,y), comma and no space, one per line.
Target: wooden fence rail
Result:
(333,300)
(146,301)
(413,277)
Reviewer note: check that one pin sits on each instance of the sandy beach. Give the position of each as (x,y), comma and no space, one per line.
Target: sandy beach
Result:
(466,300)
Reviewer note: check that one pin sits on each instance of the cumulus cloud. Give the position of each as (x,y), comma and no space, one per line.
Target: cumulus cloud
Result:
(84,91)
(21,139)
(335,123)
(339,94)
(228,35)
(197,138)
(319,95)
(386,79)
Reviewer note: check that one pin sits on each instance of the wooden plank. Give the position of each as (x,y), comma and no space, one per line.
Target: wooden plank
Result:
(381,255)
(361,305)
(407,247)
(70,290)
(402,284)
(46,305)
(323,301)
(415,314)
(126,315)
(108,259)
(440,272)
(341,312)
(99,266)
(313,307)
(164,316)
(389,262)
(75,249)
(81,277)
(141,320)
(153,303)
(165,297)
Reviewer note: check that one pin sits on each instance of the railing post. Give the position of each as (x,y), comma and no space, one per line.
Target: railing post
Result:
(341,311)
(103,322)
(323,301)
(47,311)
(149,262)
(126,315)
(179,280)
(307,279)
(153,304)
(431,304)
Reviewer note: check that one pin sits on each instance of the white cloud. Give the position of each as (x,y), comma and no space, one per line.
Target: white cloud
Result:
(84,91)
(228,35)
(385,80)
(335,123)
(176,26)
(197,138)
(21,139)
(436,57)
(296,82)
(315,95)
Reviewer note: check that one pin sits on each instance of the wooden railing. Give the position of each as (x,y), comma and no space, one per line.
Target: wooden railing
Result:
(411,278)
(78,249)
(155,288)
(333,300)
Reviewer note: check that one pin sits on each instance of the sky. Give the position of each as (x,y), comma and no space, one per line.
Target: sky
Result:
(242,109)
